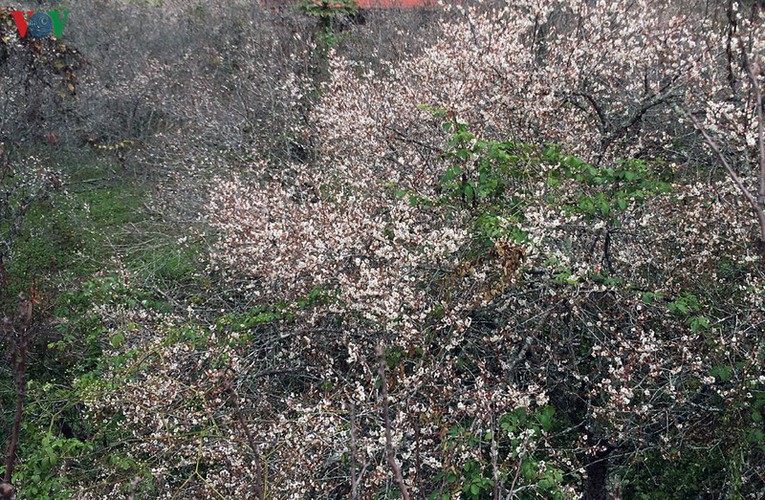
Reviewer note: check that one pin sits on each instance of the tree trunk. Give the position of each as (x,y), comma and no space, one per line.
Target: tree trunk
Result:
(596,487)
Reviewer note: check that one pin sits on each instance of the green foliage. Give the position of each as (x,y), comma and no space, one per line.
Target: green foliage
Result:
(246,323)
(754,424)
(684,305)
(604,192)
(327,38)
(653,297)
(528,468)
(480,172)
(69,236)
(81,333)
(728,269)
(63,236)
(484,172)
(687,306)
(252,318)
(113,206)
(168,264)
(694,474)
(48,242)
(475,484)
(393,356)
(327,9)
(495,177)
(491,227)
(38,474)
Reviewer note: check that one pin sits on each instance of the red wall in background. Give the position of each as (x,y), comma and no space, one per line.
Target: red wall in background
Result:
(363,4)
(393,4)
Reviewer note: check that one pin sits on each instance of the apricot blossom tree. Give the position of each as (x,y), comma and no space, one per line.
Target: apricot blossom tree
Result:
(500,276)
(502,212)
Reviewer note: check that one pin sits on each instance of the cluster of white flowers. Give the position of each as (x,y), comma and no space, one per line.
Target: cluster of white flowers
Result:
(621,324)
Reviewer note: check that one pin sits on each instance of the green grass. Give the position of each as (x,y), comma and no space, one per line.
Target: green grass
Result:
(73,235)
(100,222)
(97,217)
(165,264)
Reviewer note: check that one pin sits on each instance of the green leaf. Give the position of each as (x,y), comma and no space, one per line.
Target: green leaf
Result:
(755,436)
(469,192)
(451,174)
(699,323)
(605,208)
(545,417)
(723,372)
(117,339)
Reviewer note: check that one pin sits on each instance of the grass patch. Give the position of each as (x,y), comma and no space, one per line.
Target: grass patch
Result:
(96,219)
(163,263)
(72,234)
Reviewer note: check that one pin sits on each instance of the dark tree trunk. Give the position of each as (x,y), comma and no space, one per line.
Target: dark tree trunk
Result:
(596,487)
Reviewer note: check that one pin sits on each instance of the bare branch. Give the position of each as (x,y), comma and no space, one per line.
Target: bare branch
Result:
(259,486)
(386,420)
(758,209)
(758,107)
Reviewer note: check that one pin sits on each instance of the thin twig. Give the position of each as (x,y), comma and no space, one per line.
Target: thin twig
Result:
(354,481)
(758,102)
(386,419)
(259,486)
(758,210)
(494,464)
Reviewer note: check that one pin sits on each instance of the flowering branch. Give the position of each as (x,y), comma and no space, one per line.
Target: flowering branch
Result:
(757,206)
